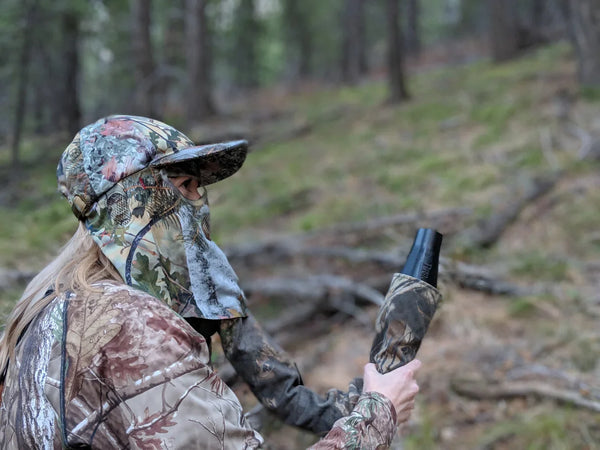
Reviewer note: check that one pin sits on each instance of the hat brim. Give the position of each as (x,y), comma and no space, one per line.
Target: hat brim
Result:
(210,163)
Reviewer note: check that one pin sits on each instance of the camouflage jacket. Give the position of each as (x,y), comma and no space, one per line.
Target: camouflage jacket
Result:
(116,368)
(276,382)
(401,325)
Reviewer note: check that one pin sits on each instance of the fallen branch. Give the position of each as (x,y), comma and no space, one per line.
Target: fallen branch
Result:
(547,149)
(397,219)
(585,138)
(482,279)
(488,232)
(9,278)
(434,219)
(314,287)
(341,231)
(483,389)
(467,276)
(282,132)
(274,252)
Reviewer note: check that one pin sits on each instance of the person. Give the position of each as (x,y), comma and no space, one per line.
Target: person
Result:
(109,346)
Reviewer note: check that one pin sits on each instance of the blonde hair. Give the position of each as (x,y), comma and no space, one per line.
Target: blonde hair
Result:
(79,264)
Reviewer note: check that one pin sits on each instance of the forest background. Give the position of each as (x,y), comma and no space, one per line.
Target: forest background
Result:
(367,119)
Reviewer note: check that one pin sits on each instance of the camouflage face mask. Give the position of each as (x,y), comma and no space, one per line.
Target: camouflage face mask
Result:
(159,241)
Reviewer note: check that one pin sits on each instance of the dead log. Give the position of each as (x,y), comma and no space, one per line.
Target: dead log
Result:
(283,132)
(467,276)
(313,287)
(340,232)
(587,140)
(279,252)
(484,389)
(433,219)
(312,296)
(489,231)
(483,279)
(10,278)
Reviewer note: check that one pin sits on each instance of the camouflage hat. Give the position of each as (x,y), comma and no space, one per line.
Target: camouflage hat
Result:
(113,148)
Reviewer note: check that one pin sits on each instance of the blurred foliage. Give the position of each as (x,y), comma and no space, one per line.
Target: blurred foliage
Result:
(254,43)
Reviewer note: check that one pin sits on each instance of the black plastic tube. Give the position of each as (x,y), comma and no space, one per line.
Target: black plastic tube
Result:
(423,259)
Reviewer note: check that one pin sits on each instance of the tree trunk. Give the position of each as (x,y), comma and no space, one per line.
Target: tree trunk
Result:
(168,76)
(247,29)
(305,51)
(361,39)
(46,82)
(353,40)
(70,21)
(413,38)
(22,79)
(38,107)
(298,37)
(584,21)
(144,98)
(199,93)
(174,41)
(537,12)
(504,43)
(397,86)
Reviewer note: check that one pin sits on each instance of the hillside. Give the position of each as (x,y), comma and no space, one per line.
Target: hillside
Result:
(501,159)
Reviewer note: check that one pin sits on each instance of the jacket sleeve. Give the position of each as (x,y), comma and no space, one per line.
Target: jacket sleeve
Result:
(276,382)
(371,425)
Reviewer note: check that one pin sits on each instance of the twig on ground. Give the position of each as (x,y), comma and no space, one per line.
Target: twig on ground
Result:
(315,287)
(480,389)
(488,232)
(583,136)
(9,278)
(547,149)
(467,276)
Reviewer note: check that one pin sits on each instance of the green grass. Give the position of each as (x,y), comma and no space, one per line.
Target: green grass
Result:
(579,218)
(530,306)
(551,428)
(591,94)
(537,264)
(7,299)
(585,353)
(522,307)
(425,435)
